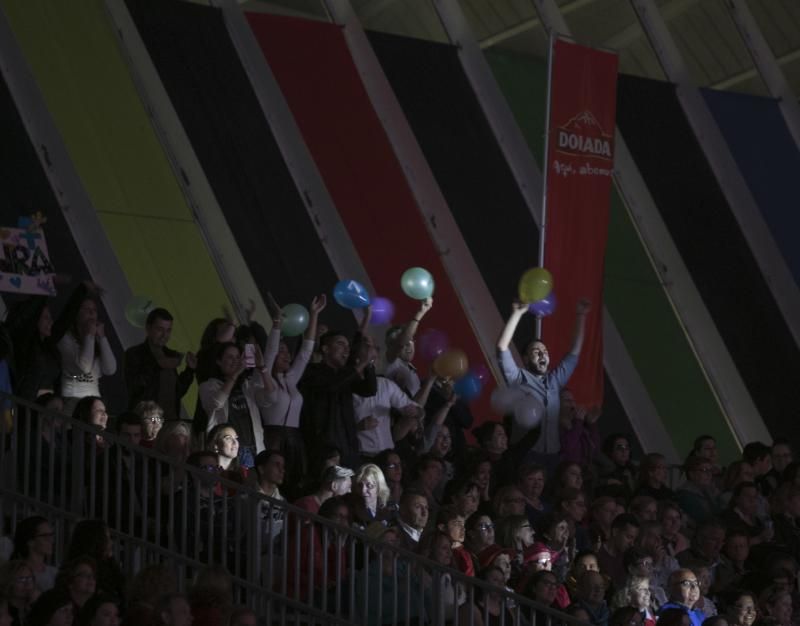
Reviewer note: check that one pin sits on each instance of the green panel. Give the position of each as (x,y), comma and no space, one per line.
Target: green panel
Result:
(634,296)
(85,82)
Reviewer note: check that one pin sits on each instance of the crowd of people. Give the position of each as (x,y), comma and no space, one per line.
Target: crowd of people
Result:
(553,511)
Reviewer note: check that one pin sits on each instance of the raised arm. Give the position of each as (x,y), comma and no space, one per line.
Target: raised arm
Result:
(409,330)
(518,309)
(582,310)
(365,320)
(317,305)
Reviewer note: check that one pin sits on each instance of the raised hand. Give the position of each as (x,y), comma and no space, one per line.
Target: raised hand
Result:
(425,306)
(518,307)
(250,311)
(319,303)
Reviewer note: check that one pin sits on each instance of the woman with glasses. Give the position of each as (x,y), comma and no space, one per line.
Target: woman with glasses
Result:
(637,594)
(78,578)
(479,530)
(698,497)
(514,533)
(152,417)
(33,543)
(18,584)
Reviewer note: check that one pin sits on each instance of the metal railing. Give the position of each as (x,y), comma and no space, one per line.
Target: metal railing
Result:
(161,510)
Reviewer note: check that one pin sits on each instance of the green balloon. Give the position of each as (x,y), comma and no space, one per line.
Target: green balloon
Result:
(535,284)
(137,309)
(295,320)
(417,283)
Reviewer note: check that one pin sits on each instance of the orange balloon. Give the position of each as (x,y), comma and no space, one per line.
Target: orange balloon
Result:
(451,364)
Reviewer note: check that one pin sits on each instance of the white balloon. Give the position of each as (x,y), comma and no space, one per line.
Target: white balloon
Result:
(528,412)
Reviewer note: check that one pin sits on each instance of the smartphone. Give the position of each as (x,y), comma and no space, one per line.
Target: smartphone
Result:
(249,355)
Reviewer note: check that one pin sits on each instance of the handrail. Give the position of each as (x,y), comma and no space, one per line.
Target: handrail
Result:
(208,519)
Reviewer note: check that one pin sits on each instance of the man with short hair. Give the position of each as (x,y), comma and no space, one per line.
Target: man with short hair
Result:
(684,592)
(173,610)
(129,428)
(413,516)
(151,368)
(759,456)
(270,471)
(590,595)
(650,541)
(538,380)
(328,415)
(611,555)
(336,481)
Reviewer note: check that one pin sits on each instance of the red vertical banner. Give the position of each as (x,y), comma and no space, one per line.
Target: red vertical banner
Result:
(580,159)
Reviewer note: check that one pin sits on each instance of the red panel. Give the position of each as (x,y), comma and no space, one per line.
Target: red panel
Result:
(579,168)
(316,73)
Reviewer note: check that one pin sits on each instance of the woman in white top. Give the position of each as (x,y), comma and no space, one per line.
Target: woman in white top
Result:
(33,543)
(281,415)
(86,355)
(233,396)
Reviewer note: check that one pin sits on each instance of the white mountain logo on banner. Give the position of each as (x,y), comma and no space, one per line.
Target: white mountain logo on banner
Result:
(583,136)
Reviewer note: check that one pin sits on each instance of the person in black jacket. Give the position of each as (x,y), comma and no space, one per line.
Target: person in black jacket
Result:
(151,368)
(328,416)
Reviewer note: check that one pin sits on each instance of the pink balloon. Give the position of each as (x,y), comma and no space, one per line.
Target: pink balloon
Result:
(482,372)
(382,311)
(432,343)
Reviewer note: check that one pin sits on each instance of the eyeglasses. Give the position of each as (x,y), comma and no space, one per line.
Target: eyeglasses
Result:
(485,527)
(44,535)
(690,584)
(543,561)
(209,468)
(622,446)
(24,579)
(548,583)
(393,465)
(84,575)
(154,419)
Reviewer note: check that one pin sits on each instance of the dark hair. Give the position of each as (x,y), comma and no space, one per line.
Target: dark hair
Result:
(44,399)
(738,489)
(88,611)
(128,418)
(410,493)
(88,538)
(485,431)
(547,521)
(608,442)
(473,520)
(699,441)
(754,451)
(507,527)
(326,338)
(790,472)
(455,488)
(631,557)
(67,571)
(194,458)
(46,605)
(526,469)
(219,351)
(83,409)
(328,508)
(164,604)
(263,457)
(23,534)
(158,314)
(209,336)
(624,519)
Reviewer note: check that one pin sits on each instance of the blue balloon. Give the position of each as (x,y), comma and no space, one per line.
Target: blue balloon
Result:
(351,294)
(468,387)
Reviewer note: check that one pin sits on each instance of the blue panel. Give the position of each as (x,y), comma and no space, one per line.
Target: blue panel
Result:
(769,161)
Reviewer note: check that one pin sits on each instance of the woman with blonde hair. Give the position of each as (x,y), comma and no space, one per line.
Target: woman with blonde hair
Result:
(370,495)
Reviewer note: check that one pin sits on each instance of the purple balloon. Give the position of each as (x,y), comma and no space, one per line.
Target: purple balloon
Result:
(382,311)
(432,343)
(482,372)
(543,307)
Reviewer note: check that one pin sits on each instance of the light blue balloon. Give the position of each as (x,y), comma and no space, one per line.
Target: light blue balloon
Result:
(295,320)
(351,294)
(417,283)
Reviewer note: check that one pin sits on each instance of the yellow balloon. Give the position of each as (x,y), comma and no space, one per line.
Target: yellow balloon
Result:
(451,364)
(535,284)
